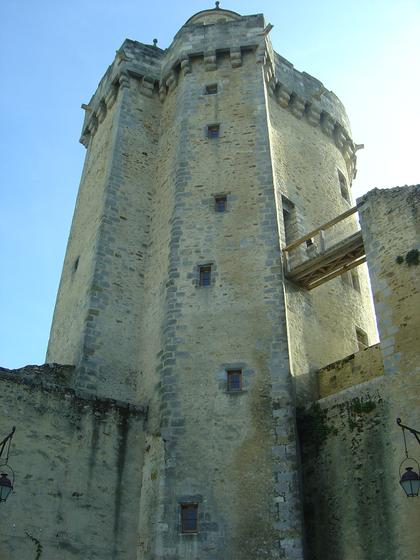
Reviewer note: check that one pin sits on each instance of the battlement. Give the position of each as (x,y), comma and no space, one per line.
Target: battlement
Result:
(199,41)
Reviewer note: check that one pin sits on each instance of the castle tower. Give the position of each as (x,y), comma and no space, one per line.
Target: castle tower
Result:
(203,161)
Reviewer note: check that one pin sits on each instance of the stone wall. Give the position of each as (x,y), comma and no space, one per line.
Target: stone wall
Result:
(352,370)
(78,464)
(390,221)
(210,446)
(352,447)
(351,451)
(321,322)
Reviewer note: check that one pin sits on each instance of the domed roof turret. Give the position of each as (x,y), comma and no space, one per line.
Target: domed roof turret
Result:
(215,15)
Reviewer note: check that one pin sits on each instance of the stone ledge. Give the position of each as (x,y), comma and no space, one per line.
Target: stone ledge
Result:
(56,378)
(350,371)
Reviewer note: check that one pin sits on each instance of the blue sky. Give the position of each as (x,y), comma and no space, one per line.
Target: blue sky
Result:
(52,56)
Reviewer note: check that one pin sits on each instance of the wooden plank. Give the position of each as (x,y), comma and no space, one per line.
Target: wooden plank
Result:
(352,243)
(314,232)
(339,272)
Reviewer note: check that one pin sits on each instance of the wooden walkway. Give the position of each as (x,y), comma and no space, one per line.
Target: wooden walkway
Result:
(327,263)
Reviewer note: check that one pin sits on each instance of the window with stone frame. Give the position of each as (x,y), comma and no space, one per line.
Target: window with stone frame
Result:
(233,380)
(211,89)
(220,203)
(189,518)
(204,275)
(213,131)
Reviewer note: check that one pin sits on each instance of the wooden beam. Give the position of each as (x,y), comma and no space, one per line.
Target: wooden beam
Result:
(339,272)
(314,232)
(353,243)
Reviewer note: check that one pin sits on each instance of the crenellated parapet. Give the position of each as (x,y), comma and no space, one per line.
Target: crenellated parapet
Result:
(307,99)
(158,72)
(133,62)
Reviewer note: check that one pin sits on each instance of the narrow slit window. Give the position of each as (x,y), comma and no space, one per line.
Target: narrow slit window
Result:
(211,89)
(220,203)
(234,380)
(205,275)
(362,339)
(289,220)
(213,131)
(189,518)
(355,279)
(343,186)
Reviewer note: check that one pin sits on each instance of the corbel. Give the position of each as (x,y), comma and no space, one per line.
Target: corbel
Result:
(210,60)
(101,111)
(121,56)
(84,139)
(235,57)
(111,96)
(124,80)
(162,91)
(92,125)
(313,114)
(171,81)
(147,86)
(348,150)
(339,136)
(297,105)
(327,123)
(185,66)
(283,95)
(261,54)
(270,79)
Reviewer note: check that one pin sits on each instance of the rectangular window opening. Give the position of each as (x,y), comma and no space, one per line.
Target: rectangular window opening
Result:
(234,380)
(289,220)
(211,89)
(343,186)
(189,518)
(213,130)
(362,338)
(346,279)
(220,203)
(205,275)
(355,279)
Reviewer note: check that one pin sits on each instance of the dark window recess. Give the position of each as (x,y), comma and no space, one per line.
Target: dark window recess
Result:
(189,518)
(211,89)
(220,203)
(362,339)
(234,380)
(205,275)
(343,186)
(213,131)
(351,278)
(289,220)
(355,279)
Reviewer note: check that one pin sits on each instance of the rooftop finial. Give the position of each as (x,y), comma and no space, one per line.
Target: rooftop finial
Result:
(155,42)
(217,5)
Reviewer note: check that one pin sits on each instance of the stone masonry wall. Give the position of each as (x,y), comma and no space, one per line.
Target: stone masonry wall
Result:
(352,447)
(223,450)
(321,322)
(351,370)
(104,297)
(351,453)
(77,462)
(390,220)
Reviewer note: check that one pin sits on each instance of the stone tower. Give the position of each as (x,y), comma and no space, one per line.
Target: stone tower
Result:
(203,161)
